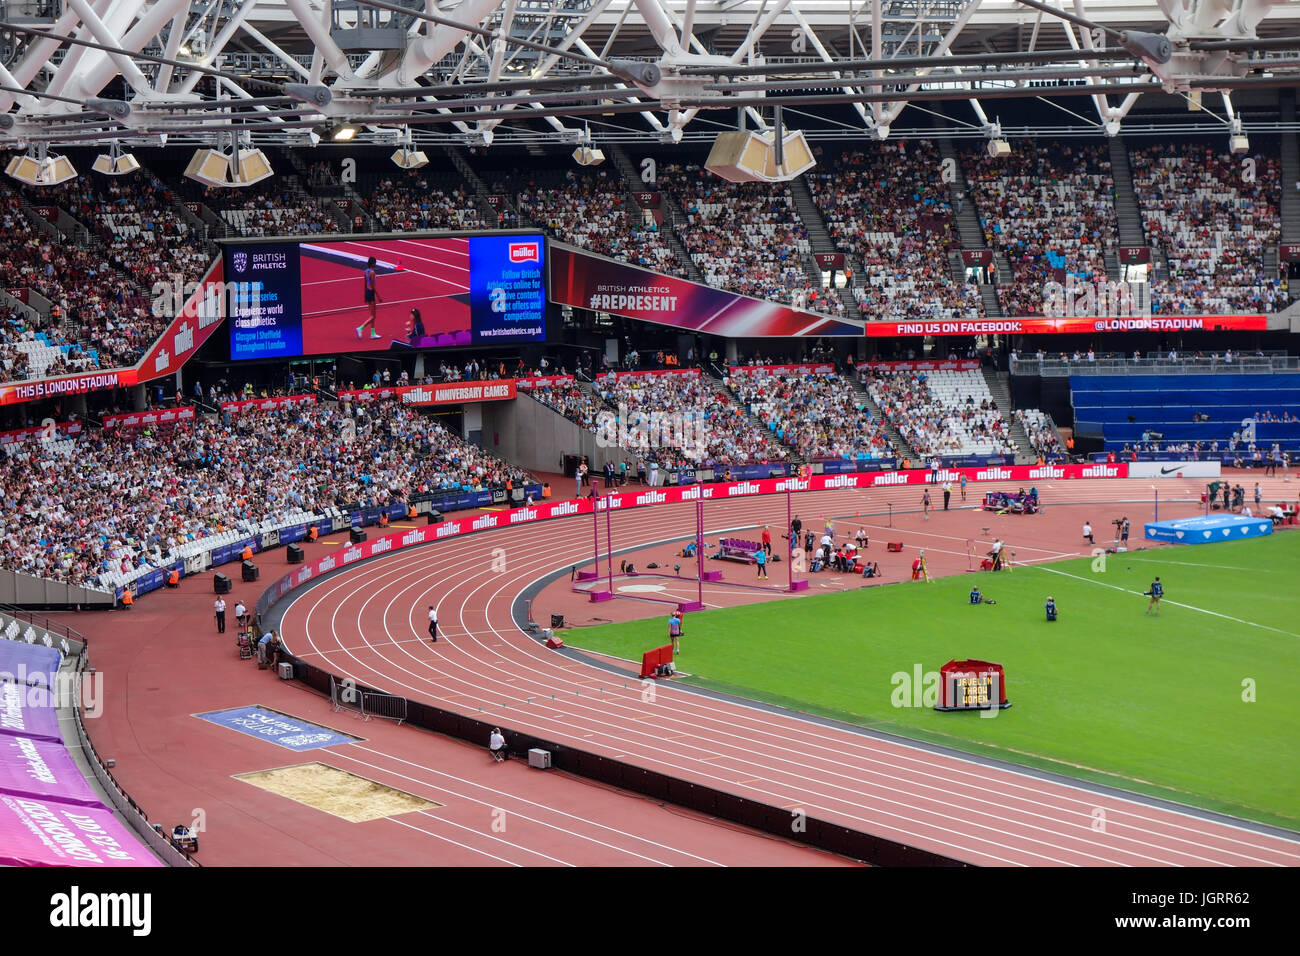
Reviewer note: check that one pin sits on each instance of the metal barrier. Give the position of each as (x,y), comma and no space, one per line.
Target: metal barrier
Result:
(171,854)
(343,694)
(379,704)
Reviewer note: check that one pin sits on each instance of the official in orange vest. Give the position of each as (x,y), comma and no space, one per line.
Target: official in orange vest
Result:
(383,519)
(313,533)
(127,598)
(410,511)
(247,553)
(174,579)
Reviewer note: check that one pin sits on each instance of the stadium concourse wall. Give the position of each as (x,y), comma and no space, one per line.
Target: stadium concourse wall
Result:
(744,811)
(536,437)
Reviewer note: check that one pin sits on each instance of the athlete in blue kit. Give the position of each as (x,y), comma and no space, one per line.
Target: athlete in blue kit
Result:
(1157,592)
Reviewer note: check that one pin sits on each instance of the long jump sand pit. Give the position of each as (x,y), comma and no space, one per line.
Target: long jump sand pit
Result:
(335,791)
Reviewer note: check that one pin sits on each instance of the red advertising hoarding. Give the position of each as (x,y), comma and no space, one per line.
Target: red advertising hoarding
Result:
(1036,326)
(161,416)
(819,368)
(933,365)
(59,430)
(267,404)
(544,381)
(447,393)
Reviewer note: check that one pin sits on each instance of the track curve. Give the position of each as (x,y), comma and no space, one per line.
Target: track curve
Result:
(369,623)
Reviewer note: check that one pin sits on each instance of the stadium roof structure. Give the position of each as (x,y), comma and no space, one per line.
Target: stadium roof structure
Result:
(150,72)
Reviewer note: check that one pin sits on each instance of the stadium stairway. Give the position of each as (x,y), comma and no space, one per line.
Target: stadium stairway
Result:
(819,238)
(904,449)
(1002,396)
(486,212)
(721,387)
(1127,215)
(40,225)
(969,230)
(674,218)
(1290,173)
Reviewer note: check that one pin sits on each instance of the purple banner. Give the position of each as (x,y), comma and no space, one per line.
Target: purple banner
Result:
(42,769)
(587,281)
(42,832)
(33,664)
(28,712)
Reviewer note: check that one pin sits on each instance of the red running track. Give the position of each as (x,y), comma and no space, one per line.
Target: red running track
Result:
(370,624)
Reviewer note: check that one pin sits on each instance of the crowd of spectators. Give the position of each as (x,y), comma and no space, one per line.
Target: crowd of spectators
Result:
(575,402)
(134,218)
(1042,435)
(746,237)
(1213,226)
(936,422)
(820,415)
(1051,210)
(678,417)
(136,495)
(92,307)
(887,209)
(270,208)
(591,210)
(407,202)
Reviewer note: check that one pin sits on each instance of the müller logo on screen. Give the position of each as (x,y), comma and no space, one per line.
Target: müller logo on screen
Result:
(525,252)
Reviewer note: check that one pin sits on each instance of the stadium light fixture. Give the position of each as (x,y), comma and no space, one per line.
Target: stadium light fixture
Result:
(37,168)
(343,133)
(997,146)
(1238,143)
(115,162)
(407,158)
(588,156)
(240,166)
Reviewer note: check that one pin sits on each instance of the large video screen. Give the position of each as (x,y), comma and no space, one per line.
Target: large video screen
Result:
(321,297)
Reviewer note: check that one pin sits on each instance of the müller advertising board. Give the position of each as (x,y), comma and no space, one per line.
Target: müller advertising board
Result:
(625,501)
(445,394)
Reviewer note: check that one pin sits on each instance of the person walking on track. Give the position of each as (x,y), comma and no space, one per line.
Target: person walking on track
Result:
(433,624)
(219,609)
(947,494)
(963,486)
(925,504)
(371,298)
(760,558)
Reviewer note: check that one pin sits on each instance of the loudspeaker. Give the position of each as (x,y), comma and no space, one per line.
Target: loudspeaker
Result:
(220,584)
(294,554)
(250,571)
(356,535)
(433,517)
(557,620)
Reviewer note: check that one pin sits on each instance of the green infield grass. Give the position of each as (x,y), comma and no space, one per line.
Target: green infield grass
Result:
(1200,704)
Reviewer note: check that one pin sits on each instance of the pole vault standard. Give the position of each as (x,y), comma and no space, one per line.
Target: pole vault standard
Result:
(594,573)
(596,507)
(698,603)
(793,585)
